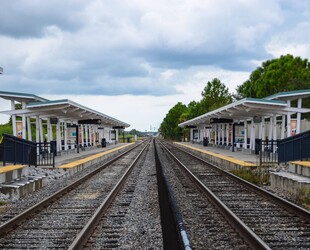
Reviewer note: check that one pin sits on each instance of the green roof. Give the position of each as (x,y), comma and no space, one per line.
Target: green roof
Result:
(288,93)
(22,95)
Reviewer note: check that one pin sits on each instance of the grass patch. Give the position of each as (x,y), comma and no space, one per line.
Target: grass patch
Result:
(304,197)
(253,177)
(2,203)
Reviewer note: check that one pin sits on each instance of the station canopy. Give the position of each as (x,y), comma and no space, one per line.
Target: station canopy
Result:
(253,108)
(61,109)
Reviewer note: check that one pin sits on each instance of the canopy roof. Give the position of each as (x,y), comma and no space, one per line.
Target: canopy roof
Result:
(249,108)
(62,109)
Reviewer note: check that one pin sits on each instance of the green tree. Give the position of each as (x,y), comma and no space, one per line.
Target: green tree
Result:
(215,95)
(169,128)
(286,73)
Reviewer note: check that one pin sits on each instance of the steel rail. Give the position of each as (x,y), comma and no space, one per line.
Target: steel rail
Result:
(6,227)
(254,241)
(83,236)
(270,196)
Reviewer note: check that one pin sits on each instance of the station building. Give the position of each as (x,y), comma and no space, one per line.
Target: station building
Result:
(238,125)
(70,124)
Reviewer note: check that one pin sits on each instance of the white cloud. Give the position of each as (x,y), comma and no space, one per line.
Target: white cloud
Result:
(166,50)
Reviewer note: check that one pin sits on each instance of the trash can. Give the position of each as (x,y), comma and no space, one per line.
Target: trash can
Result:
(205,141)
(257,146)
(103,142)
(128,140)
(53,148)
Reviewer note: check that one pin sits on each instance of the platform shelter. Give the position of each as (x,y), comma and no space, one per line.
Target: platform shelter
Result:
(238,125)
(68,123)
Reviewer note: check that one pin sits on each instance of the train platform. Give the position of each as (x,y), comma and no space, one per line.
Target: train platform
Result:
(227,158)
(295,180)
(64,159)
(18,180)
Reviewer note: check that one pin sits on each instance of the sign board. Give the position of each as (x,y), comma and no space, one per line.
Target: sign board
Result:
(54,120)
(257,119)
(190,126)
(220,120)
(19,129)
(90,121)
(293,127)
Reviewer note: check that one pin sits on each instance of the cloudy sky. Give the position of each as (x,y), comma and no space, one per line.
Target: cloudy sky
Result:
(135,59)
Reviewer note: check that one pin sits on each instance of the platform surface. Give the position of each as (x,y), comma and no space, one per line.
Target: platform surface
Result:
(239,157)
(72,157)
(9,168)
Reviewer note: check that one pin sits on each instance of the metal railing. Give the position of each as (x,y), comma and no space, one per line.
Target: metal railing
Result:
(295,147)
(15,150)
(268,151)
(46,152)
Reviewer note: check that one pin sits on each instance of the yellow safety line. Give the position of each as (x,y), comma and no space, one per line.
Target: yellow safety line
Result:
(217,155)
(92,157)
(9,168)
(301,163)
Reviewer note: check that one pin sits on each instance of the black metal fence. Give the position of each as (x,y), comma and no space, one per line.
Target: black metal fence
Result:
(46,152)
(15,150)
(268,151)
(294,148)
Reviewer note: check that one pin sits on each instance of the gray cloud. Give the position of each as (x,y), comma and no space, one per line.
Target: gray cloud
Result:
(127,47)
(23,18)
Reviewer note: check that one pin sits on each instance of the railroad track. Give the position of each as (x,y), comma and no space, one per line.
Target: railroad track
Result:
(104,230)
(55,221)
(264,220)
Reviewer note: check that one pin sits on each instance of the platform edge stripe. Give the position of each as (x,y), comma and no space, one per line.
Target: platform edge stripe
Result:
(8,168)
(301,163)
(223,157)
(90,158)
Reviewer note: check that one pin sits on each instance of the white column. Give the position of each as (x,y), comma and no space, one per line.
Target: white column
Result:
(263,129)
(245,134)
(37,129)
(48,129)
(215,134)
(24,121)
(252,135)
(283,127)
(231,135)
(65,135)
(82,135)
(274,127)
(29,129)
(288,127)
(86,135)
(90,134)
(274,131)
(270,128)
(58,136)
(13,118)
(116,135)
(227,134)
(299,103)
(219,134)
(41,130)
(222,130)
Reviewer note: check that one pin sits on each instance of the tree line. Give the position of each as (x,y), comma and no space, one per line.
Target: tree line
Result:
(287,73)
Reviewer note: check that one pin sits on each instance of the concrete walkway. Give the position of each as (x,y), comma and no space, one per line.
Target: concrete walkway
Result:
(73,156)
(239,155)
